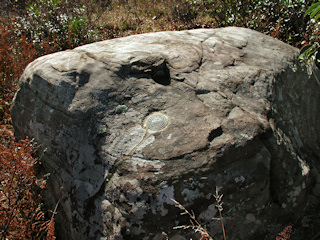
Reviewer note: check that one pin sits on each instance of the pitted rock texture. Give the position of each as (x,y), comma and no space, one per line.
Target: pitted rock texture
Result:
(220,90)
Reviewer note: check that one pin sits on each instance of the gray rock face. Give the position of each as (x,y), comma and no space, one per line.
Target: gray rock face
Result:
(131,123)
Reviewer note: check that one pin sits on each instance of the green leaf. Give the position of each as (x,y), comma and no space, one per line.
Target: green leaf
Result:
(317,17)
(305,48)
(315,11)
(311,52)
(310,9)
(308,52)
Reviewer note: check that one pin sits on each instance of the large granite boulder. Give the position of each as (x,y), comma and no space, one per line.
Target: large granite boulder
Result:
(127,125)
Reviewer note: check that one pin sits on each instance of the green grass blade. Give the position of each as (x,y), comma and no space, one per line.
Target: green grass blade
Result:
(317,17)
(305,48)
(310,9)
(315,11)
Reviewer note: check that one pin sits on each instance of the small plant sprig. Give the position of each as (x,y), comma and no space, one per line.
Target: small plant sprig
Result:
(285,234)
(195,225)
(51,223)
(220,209)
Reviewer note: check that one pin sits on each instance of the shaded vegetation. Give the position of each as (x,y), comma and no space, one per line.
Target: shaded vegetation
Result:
(310,51)
(20,210)
(29,29)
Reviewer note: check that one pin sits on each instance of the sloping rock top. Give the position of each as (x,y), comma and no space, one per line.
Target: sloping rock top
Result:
(198,75)
(130,123)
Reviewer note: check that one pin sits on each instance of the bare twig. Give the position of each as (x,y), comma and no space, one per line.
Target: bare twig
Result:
(55,209)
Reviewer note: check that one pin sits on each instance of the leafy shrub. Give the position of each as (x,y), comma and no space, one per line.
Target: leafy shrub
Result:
(21,216)
(12,6)
(282,19)
(15,53)
(310,51)
(56,24)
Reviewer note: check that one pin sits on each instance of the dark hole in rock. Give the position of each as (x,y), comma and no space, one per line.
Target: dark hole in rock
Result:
(160,74)
(83,79)
(80,78)
(215,133)
(202,91)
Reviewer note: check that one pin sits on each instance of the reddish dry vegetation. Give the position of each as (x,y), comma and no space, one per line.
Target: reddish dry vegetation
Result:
(285,234)
(21,216)
(15,54)
(20,210)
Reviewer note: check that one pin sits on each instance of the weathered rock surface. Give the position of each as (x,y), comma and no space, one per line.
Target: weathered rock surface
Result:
(240,112)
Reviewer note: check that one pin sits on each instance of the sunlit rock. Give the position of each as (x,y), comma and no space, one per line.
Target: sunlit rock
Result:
(128,124)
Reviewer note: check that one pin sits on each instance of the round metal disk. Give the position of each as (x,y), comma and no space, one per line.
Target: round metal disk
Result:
(156,122)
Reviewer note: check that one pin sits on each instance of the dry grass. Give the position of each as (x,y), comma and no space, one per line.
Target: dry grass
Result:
(195,225)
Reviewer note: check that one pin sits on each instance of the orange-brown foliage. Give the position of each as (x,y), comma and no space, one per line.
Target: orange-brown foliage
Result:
(285,234)
(21,216)
(20,213)
(50,233)
(15,54)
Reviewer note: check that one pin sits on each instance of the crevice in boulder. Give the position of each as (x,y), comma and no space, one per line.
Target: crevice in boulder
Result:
(285,177)
(161,74)
(90,206)
(202,91)
(157,71)
(82,78)
(215,133)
